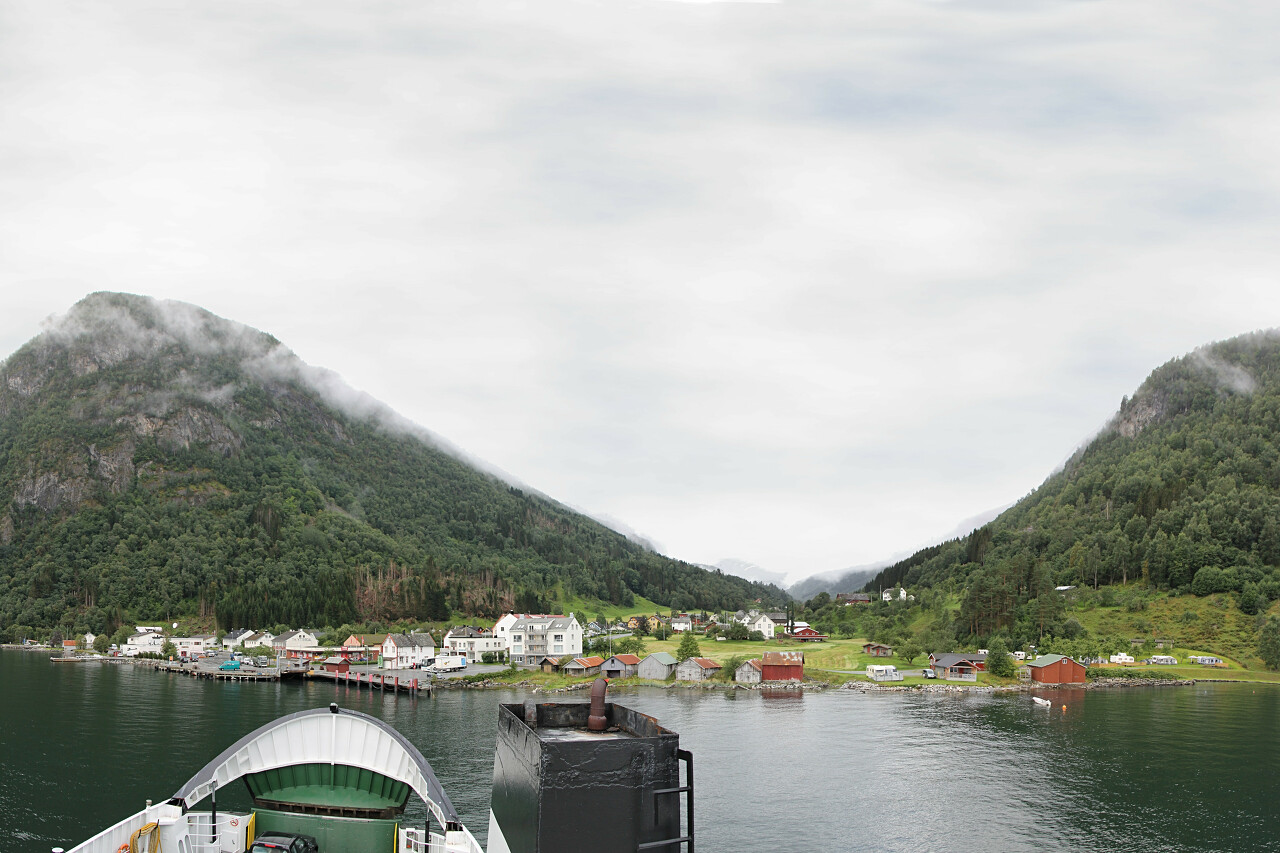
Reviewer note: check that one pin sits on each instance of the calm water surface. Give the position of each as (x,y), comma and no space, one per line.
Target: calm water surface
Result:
(1167,769)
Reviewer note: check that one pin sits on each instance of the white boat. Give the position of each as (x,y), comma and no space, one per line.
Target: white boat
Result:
(331,780)
(1043,702)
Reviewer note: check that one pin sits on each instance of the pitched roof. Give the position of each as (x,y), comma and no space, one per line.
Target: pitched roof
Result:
(288,635)
(662,658)
(407,640)
(629,660)
(335,659)
(586,663)
(705,663)
(782,658)
(1047,660)
(948,660)
(752,663)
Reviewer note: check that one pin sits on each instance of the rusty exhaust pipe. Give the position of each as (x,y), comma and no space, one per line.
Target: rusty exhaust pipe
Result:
(596,721)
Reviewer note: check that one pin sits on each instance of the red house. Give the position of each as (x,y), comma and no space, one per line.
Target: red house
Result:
(807,635)
(782,666)
(337,664)
(1056,669)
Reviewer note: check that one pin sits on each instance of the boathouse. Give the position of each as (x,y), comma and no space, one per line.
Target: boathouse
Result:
(621,666)
(337,663)
(657,666)
(748,672)
(696,669)
(582,666)
(1056,669)
(782,666)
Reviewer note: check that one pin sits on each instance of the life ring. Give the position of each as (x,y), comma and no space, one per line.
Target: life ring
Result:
(123,848)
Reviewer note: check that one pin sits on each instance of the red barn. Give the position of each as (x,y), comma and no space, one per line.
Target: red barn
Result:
(782,666)
(1056,669)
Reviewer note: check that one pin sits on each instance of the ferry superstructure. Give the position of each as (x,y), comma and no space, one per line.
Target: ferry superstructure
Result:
(567,776)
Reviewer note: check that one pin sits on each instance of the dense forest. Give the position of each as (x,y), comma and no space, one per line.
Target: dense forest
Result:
(157,461)
(1180,493)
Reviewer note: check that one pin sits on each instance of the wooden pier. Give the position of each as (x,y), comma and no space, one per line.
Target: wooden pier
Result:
(374,681)
(358,680)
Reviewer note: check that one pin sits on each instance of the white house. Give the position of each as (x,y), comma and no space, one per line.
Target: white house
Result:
(191,647)
(465,640)
(292,643)
(536,637)
(680,624)
(762,623)
(235,639)
(252,641)
(401,651)
(144,641)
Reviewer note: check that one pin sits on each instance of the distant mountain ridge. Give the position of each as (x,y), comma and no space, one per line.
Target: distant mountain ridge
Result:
(158,460)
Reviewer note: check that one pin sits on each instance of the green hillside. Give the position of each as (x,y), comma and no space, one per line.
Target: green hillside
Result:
(1178,496)
(157,461)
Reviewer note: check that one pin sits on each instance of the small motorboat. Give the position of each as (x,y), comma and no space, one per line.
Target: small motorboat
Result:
(1042,702)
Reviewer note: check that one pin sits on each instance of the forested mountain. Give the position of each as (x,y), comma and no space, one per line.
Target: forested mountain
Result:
(158,461)
(1181,491)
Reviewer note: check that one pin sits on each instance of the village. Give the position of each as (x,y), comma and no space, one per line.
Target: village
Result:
(748,648)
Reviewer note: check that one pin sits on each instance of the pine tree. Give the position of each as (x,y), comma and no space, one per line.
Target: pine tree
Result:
(689,647)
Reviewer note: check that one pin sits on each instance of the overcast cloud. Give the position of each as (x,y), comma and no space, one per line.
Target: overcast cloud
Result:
(803,283)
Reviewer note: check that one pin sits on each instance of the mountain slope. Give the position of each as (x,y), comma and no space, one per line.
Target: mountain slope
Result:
(1181,491)
(157,460)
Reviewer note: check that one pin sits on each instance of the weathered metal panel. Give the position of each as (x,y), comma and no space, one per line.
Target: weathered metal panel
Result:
(559,788)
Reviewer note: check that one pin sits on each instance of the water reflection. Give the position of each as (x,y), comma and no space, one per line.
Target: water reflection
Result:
(1172,769)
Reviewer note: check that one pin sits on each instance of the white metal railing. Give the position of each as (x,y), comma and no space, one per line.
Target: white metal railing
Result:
(419,841)
(200,833)
(961,676)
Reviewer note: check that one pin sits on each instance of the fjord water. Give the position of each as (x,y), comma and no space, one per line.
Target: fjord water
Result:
(1142,769)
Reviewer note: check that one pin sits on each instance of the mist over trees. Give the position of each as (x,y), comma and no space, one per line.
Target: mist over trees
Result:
(152,472)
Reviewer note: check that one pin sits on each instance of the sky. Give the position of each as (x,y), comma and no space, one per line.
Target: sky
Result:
(803,284)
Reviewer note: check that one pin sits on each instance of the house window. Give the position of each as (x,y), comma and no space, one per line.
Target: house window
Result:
(559,649)
(559,638)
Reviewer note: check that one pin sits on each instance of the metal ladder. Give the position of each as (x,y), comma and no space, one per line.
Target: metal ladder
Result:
(687,789)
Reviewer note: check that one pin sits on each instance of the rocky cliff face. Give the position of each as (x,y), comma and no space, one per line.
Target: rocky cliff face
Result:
(119,374)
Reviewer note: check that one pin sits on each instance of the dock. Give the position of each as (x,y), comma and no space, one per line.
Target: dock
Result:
(358,680)
(374,681)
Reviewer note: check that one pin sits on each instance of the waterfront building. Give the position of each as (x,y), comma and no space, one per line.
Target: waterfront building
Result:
(657,666)
(748,672)
(1056,669)
(696,669)
(400,651)
(583,666)
(143,642)
(536,637)
(621,666)
(782,666)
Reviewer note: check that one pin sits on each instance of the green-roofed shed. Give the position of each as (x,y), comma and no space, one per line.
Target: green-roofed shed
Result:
(1056,669)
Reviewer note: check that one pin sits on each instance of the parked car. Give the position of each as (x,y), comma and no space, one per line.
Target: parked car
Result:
(231,665)
(927,672)
(280,842)
(262,660)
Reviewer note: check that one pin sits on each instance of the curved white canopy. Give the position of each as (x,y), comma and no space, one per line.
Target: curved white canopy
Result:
(323,736)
